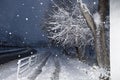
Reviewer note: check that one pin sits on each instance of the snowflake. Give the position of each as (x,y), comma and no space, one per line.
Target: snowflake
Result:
(31,52)
(67,58)
(104,22)
(33,7)
(41,3)
(56,55)
(18,15)
(25,38)
(6,31)
(43,35)
(10,33)
(26,32)
(26,19)
(36,16)
(23,42)
(19,56)
(94,2)
(23,4)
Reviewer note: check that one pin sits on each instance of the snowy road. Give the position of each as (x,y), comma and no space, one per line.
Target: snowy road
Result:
(8,71)
(54,66)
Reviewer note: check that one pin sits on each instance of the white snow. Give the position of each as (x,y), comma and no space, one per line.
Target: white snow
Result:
(23,4)
(94,3)
(18,15)
(19,55)
(96,17)
(41,3)
(26,19)
(70,69)
(6,31)
(7,70)
(73,69)
(69,28)
(33,7)
(47,71)
(25,38)
(43,35)
(26,32)
(23,42)
(10,33)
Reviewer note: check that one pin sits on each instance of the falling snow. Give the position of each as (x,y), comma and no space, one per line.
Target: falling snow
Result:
(33,7)
(26,19)
(94,2)
(18,15)
(23,4)
(41,3)
(10,33)
(23,42)
(25,38)
(6,31)
(19,55)
(26,32)
(31,52)
(43,35)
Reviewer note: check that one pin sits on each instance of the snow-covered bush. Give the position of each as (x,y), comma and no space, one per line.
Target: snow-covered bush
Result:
(96,73)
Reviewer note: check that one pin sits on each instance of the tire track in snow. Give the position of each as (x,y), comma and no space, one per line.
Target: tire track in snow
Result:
(57,69)
(39,69)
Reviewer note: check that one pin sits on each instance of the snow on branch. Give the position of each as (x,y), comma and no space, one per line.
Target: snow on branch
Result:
(84,6)
(69,28)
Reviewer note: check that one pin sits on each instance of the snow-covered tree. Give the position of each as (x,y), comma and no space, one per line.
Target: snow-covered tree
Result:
(69,28)
(77,27)
(97,26)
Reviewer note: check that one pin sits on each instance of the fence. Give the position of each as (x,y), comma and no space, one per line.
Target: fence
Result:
(25,64)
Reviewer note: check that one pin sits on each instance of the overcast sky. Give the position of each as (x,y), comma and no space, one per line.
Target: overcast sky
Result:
(23,17)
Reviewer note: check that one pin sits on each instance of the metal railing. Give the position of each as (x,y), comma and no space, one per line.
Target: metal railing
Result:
(25,64)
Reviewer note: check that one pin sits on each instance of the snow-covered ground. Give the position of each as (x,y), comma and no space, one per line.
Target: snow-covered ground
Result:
(55,67)
(8,69)
(47,70)
(73,69)
(70,69)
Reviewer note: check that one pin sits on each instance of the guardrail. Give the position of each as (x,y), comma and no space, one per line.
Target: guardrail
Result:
(11,51)
(25,64)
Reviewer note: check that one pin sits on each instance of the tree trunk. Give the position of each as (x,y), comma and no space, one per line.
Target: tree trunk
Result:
(65,51)
(106,54)
(99,36)
(102,8)
(99,49)
(78,53)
